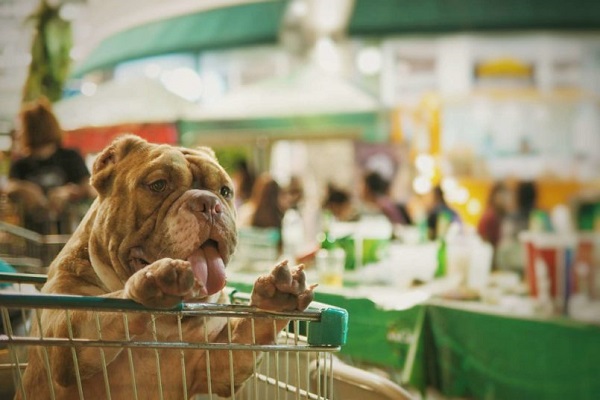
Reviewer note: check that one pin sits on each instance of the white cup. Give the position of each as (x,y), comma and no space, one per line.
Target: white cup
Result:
(330,267)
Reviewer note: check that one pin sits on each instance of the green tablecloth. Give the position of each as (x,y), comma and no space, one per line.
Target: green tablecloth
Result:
(471,353)
(488,356)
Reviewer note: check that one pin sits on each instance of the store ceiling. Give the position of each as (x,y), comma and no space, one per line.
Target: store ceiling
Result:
(236,25)
(112,31)
(215,28)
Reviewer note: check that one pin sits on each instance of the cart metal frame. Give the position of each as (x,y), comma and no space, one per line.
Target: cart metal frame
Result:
(298,366)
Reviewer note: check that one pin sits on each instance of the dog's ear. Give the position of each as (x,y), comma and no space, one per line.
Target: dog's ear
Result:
(105,163)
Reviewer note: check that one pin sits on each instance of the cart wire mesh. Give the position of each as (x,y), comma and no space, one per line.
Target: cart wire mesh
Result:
(299,365)
(27,250)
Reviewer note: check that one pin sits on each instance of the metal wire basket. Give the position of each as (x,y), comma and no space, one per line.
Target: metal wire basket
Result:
(298,365)
(27,250)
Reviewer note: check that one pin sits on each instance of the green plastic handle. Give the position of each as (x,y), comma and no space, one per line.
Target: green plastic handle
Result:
(17,277)
(332,330)
(75,302)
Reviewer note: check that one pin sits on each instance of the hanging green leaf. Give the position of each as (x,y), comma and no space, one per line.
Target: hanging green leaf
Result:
(50,59)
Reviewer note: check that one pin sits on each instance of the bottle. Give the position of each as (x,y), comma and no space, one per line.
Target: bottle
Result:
(375,233)
(443,221)
(441,259)
(422,229)
(292,234)
(326,240)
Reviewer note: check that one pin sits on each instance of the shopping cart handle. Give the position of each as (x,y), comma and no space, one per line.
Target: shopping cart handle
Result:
(332,329)
(19,277)
(76,302)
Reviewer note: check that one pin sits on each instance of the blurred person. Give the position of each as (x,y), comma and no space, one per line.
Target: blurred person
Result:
(437,209)
(510,250)
(294,193)
(339,203)
(47,178)
(269,211)
(243,180)
(264,209)
(376,193)
(527,215)
(525,202)
(490,223)
(524,213)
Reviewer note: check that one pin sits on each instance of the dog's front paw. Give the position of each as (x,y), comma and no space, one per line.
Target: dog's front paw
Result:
(162,284)
(284,289)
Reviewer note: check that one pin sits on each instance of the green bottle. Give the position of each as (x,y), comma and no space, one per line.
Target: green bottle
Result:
(441,259)
(442,223)
(325,239)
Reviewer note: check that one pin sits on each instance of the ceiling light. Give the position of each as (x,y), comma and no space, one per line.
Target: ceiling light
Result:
(152,70)
(369,60)
(184,82)
(327,55)
(89,88)
(422,185)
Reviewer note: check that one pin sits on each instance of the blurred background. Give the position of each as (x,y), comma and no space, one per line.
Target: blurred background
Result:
(475,92)
(447,152)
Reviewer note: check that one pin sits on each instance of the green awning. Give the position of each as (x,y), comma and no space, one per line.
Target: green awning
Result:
(381,17)
(369,126)
(259,23)
(234,26)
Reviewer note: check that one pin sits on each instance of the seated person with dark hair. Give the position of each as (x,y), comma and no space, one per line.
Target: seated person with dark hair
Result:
(48,178)
(339,203)
(376,192)
(439,211)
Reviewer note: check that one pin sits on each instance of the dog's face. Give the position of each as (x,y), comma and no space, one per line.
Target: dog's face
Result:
(158,201)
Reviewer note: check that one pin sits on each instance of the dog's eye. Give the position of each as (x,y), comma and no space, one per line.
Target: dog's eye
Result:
(226,192)
(158,186)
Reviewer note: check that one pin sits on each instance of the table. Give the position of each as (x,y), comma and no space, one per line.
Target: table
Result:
(491,356)
(465,350)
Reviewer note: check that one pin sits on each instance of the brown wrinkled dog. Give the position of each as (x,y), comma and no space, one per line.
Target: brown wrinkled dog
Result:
(161,231)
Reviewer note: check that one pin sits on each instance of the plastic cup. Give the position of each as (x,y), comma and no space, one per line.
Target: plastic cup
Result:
(330,267)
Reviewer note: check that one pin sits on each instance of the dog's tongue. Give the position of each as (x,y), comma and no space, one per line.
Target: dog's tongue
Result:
(208,267)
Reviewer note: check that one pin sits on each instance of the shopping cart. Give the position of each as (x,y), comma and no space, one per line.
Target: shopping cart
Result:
(298,366)
(27,250)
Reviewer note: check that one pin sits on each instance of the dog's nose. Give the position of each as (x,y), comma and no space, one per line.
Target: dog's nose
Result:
(206,203)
